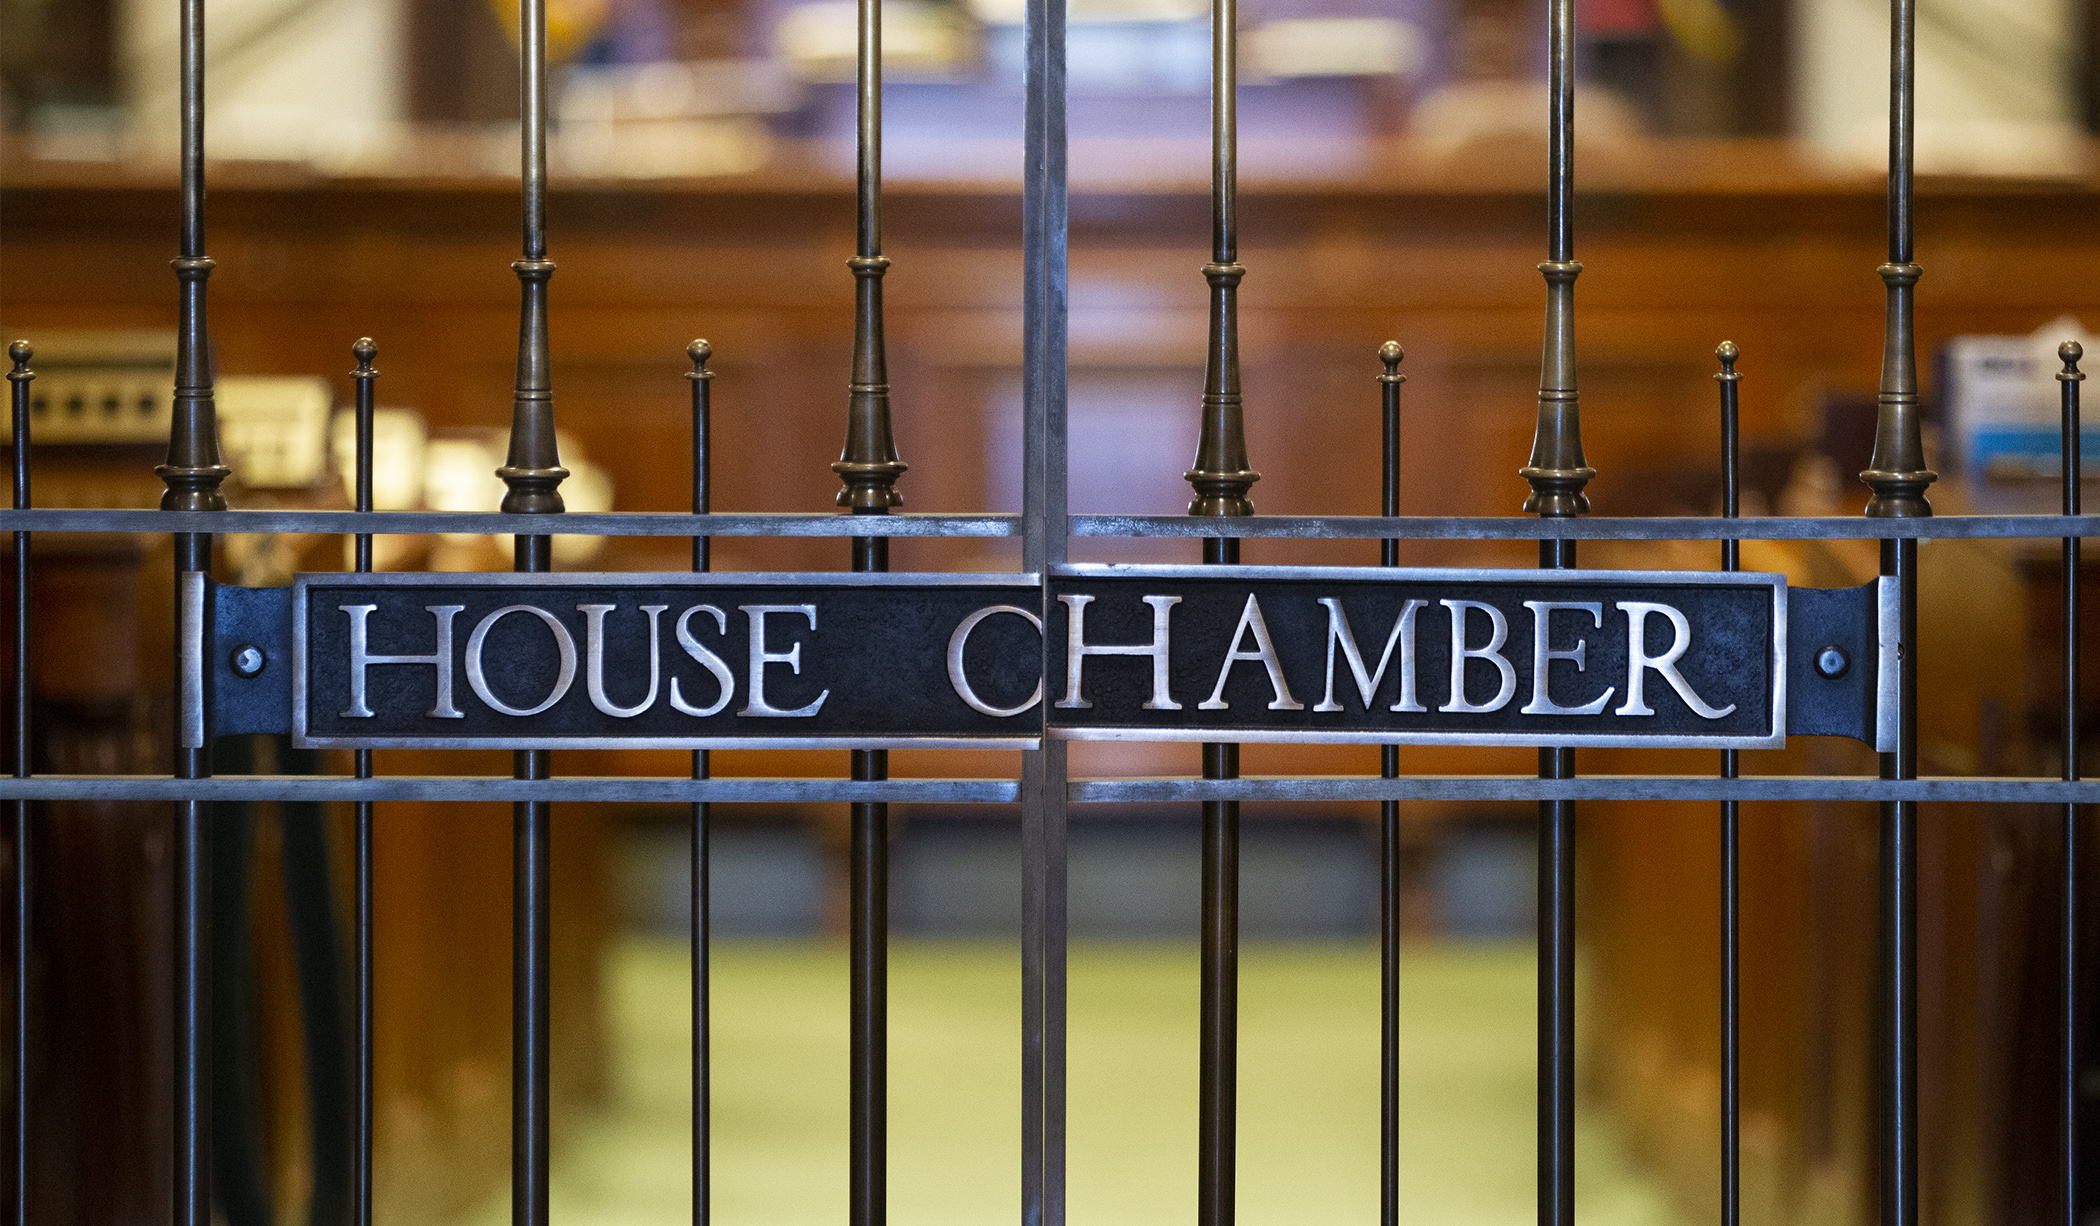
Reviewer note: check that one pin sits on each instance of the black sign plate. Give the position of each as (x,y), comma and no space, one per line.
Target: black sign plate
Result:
(1135,652)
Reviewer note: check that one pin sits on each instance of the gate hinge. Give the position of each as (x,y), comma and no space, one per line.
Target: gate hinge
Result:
(1840,645)
(250,659)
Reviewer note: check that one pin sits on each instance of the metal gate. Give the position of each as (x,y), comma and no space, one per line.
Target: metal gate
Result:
(1851,670)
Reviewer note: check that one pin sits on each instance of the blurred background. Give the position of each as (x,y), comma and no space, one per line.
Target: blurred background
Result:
(1729,161)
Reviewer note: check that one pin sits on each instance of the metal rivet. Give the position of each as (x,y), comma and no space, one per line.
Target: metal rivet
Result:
(1831,663)
(248,659)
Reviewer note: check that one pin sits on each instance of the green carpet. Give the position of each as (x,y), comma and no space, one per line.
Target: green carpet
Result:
(1308,1090)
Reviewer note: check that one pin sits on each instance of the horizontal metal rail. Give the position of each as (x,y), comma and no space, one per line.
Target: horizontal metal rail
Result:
(1601,528)
(678,790)
(496,523)
(494,788)
(1947,789)
(1284,527)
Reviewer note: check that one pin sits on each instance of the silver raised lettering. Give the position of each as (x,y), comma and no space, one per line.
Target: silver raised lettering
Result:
(1339,633)
(961,639)
(1542,657)
(1492,653)
(1639,662)
(564,643)
(362,657)
(1077,649)
(1264,651)
(708,660)
(760,657)
(594,659)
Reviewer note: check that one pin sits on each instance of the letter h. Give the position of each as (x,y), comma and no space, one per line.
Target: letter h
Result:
(1077,649)
(361,658)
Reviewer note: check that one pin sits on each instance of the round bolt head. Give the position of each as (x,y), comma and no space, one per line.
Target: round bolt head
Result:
(248,660)
(1831,663)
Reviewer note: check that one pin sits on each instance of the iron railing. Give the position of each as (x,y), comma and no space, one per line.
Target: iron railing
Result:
(1897,515)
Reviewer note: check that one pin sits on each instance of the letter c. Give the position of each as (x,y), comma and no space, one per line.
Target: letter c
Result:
(961,638)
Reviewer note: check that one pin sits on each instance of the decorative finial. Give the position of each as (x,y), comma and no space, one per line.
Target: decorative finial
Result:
(699,351)
(1557,471)
(1221,474)
(1727,352)
(868,466)
(1896,472)
(2069,352)
(364,350)
(20,352)
(1390,353)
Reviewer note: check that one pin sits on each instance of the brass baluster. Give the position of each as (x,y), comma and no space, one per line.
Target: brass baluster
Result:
(533,473)
(1557,474)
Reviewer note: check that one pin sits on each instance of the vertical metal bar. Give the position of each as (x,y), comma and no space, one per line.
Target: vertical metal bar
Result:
(868,469)
(1897,476)
(533,474)
(2070,377)
(703,485)
(1043,546)
(1557,474)
(1221,478)
(361,765)
(19,380)
(1731,964)
(192,474)
(1389,383)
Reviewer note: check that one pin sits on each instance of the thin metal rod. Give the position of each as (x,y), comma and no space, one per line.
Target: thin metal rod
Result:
(703,483)
(192,474)
(1556,968)
(1218,1107)
(1557,473)
(1217,1128)
(1898,477)
(19,379)
(1390,355)
(361,765)
(1731,962)
(531,953)
(870,932)
(1897,1088)
(532,474)
(2070,377)
(193,973)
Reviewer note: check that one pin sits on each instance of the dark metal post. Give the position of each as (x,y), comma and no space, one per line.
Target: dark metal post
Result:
(1898,477)
(700,376)
(2070,377)
(1389,844)
(19,380)
(1043,546)
(1221,478)
(534,474)
(361,765)
(192,474)
(1731,1032)
(1557,474)
(868,468)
